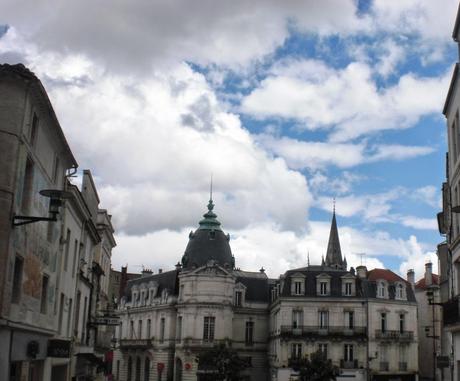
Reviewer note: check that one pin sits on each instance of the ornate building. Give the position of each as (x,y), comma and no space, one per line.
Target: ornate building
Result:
(365,322)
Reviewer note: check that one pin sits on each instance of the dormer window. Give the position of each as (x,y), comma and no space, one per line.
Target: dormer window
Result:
(323,288)
(323,285)
(400,291)
(239,295)
(298,284)
(297,288)
(382,289)
(238,298)
(348,288)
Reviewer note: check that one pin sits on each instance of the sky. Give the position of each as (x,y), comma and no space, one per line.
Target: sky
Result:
(287,104)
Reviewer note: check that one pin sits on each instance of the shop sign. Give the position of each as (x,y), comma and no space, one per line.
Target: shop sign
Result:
(107,320)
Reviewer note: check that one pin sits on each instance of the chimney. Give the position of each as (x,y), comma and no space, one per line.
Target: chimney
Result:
(160,271)
(362,272)
(428,272)
(411,277)
(146,272)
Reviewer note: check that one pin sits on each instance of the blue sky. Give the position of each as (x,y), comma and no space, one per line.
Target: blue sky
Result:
(288,105)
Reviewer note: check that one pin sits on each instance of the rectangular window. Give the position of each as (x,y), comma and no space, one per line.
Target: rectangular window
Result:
(27,186)
(296,350)
(44,295)
(149,328)
(348,352)
(61,313)
(120,331)
(77,314)
(139,329)
(348,289)
(298,288)
(67,248)
(383,322)
(323,288)
(349,319)
(402,322)
(323,319)
(162,330)
(238,298)
(297,318)
(179,329)
(131,329)
(69,317)
(323,349)
(17,279)
(208,328)
(75,257)
(249,337)
(181,292)
(83,328)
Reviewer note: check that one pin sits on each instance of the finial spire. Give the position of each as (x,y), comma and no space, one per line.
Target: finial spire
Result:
(308,258)
(210,190)
(333,205)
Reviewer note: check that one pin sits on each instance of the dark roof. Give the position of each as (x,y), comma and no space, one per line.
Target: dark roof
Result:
(207,243)
(311,274)
(334,253)
(257,288)
(422,284)
(369,285)
(166,280)
(384,274)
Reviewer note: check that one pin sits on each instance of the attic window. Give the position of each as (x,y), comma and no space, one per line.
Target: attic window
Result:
(212,234)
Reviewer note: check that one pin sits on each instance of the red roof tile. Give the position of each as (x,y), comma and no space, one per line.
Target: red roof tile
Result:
(384,274)
(422,285)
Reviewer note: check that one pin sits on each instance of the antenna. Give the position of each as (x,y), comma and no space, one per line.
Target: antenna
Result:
(361,255)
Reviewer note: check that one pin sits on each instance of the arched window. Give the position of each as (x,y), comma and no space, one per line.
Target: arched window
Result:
(381,290)
(400,291)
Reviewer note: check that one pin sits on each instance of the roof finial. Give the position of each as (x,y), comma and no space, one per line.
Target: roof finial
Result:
(210,190)
(333,205)
(308,258)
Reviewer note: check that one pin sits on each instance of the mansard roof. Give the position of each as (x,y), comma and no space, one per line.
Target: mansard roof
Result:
(256,283)
(166,280)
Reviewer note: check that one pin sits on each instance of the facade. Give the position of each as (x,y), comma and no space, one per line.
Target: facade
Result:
(429,323)
(364,321)
(53,287)
(449,225)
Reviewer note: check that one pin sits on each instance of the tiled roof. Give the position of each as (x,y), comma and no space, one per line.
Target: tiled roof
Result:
(422,285)
(384,274)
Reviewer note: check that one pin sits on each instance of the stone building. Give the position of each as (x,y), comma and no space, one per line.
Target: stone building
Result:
(54,252)
(365,322)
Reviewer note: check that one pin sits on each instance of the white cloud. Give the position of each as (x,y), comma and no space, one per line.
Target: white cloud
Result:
(347,101)
(337,185)
(420,223)
(429,194)
(392,54)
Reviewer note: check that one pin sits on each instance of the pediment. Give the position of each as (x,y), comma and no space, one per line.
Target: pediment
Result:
(240,286)
(298,275)
(323,276)
(211,268)
(348,276)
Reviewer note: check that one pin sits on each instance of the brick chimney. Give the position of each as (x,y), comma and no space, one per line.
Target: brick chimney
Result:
(411,277)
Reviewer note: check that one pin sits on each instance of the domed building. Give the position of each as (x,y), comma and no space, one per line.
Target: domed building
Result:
(365,322)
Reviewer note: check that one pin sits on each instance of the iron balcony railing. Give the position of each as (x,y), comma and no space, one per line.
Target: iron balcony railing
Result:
(394,335)
(135,343)
(313,331)
(349,364)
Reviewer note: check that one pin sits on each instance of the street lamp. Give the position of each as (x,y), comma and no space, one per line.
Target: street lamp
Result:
(56,196)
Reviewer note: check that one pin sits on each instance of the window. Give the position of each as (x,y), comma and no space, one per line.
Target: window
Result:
(67,248)
(17,279)
(323,319)
(400,291)
(138,369)
(139,329)
(27,186)
(69,317)
(348,352)
(77,314)
(208,328)
(162,330)
(75,256)
(323,349)
(131,329)
(120,331)
(296,350)
(130,369)
(118,370)
(181,292)
(297,318)
(179,329)
(381,290)
(297,288)
(249,337)
(348,289)
(83,330)
(323,288)
(149,328)
(402,323)
(383,322)
(147,369)
(44,295)
(238,298)
(349,319)
(61,313)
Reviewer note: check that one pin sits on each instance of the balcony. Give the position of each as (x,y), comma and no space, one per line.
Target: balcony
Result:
(103,340)
(401,336)
(451,314)
(317,331)
(403,366)
(189,342)
(384,366)
(135,344)
(349,364)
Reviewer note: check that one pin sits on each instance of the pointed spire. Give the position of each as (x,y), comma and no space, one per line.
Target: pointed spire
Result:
(334,253)
(210,221)
(308,258)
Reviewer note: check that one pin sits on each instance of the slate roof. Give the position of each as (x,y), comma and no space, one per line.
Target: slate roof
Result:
(166,280)
(384,274)
(369,285)
(257,285)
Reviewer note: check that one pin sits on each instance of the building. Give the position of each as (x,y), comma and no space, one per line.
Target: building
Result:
(365,322)
(449,225)
(55,251)
(118,281)
(429,323)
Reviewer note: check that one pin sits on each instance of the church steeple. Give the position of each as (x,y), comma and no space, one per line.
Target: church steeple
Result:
(334,254)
